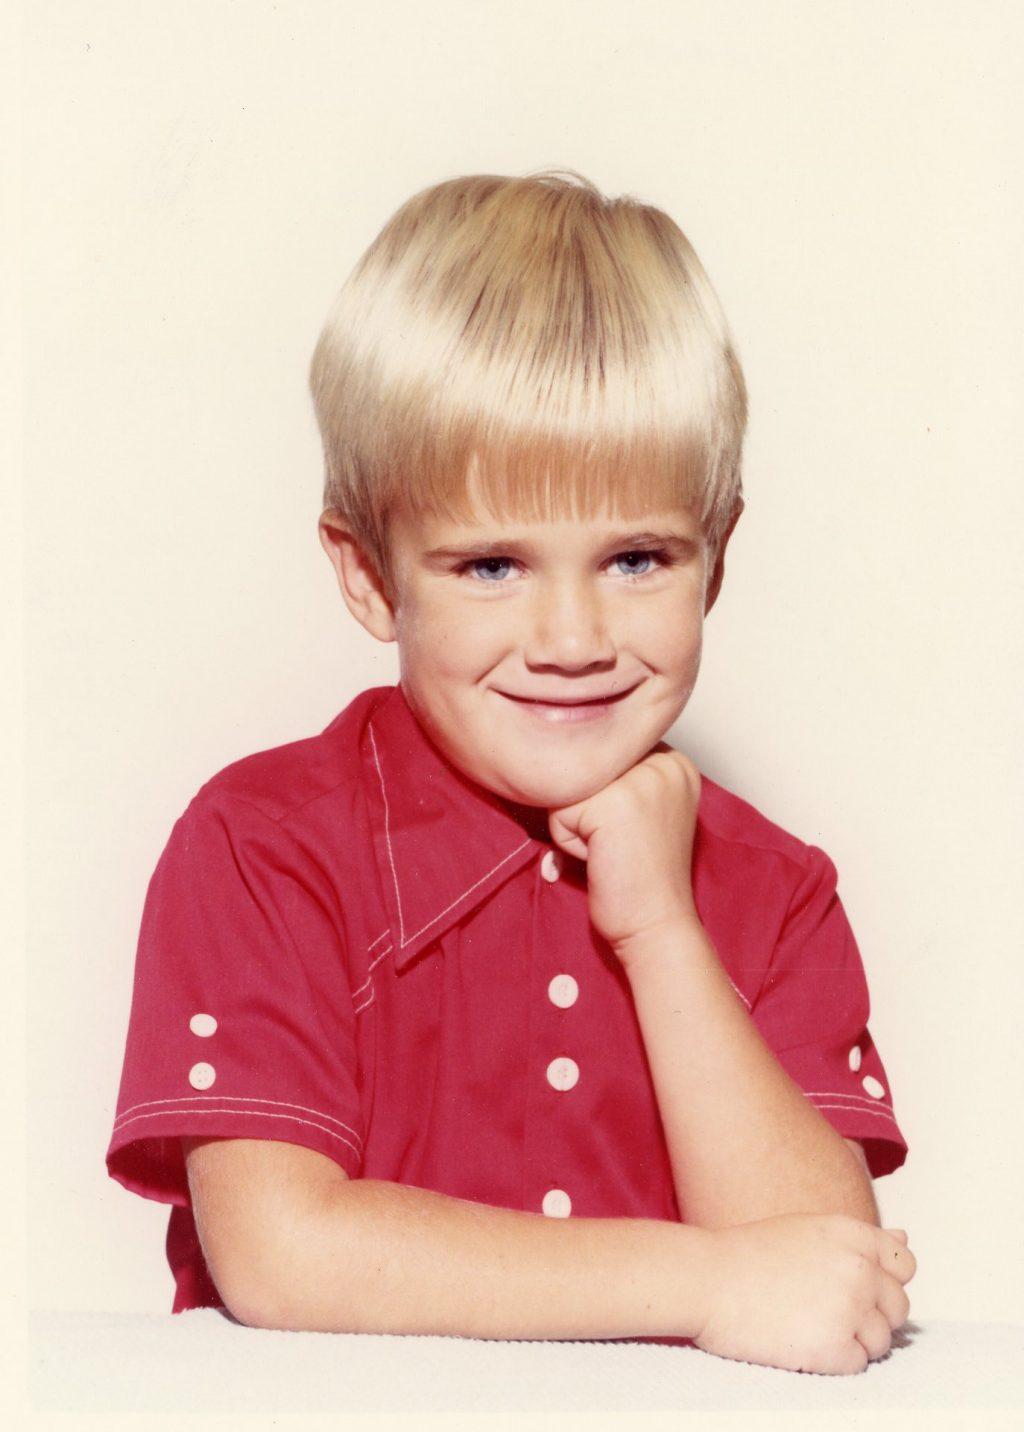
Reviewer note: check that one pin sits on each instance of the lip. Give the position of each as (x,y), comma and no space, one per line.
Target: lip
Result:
(567,711)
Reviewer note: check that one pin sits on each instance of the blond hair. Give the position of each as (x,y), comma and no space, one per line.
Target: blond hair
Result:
(565,348)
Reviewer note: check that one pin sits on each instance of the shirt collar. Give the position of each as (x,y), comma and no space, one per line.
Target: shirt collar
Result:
(442,842)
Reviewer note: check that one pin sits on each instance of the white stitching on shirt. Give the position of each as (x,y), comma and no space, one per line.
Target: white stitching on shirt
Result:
(387,826)
(374,964)
(842,1094)
(248,1114)
(435,918)
(358,1008)
(238,1099)
(407,939)
(853,1109)
(383,955)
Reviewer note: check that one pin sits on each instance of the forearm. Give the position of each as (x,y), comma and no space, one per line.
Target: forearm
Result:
(744,1141)
(379,1257)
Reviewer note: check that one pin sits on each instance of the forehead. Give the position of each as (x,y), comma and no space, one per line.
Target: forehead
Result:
(422,531)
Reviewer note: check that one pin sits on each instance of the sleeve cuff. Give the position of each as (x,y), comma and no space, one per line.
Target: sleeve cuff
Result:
(145,1154)
(872,1124)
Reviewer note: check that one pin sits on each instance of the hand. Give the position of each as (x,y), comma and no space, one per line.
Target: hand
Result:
(636,836)
(805,1291)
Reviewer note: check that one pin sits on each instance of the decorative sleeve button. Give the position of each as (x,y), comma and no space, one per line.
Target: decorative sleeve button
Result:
(201,1076)
(203,1024)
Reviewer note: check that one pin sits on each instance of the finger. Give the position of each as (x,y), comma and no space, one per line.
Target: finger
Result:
(566,838)
(875,1334)
(900,1233)
(893,1302)
(847,1360)
(895,1256)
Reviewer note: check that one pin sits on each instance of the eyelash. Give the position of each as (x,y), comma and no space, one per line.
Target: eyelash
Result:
(662,558)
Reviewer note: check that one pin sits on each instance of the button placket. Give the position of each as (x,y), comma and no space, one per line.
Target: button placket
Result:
(562,1073)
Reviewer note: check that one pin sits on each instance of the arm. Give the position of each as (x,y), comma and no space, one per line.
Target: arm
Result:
(306,1248)
(744,1140)
(293,1244)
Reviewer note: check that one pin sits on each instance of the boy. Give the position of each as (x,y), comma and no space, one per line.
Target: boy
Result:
(483,1012)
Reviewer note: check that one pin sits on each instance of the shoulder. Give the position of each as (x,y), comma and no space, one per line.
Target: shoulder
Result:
(303,785)
(735,833)
(279,838)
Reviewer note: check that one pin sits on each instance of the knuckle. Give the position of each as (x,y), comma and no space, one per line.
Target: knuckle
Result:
(858,1270)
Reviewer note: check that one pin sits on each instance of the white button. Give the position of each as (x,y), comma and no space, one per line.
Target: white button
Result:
(551,865)
(873,1087)
(201,1076)
(563,991)
(563,1073)
(557,1203)
(855,1058)
(203,1024)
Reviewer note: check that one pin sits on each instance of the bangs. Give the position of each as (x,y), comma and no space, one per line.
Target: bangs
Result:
(536,479)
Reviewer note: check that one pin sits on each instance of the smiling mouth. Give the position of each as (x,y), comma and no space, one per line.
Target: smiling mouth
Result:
(584,701)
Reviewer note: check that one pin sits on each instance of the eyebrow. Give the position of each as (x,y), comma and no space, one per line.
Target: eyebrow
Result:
(676,541)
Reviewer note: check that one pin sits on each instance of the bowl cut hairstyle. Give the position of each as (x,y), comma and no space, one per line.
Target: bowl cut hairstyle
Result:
(531,342)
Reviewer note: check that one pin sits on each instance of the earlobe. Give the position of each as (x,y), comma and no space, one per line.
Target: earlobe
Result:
(358,580)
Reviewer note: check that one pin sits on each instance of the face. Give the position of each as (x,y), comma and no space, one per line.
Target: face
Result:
(544,659)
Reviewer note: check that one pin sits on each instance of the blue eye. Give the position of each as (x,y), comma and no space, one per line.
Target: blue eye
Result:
(489,563)
(637,571)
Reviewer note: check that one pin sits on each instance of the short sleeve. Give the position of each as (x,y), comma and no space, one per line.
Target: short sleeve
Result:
(812,1011)
(241,1021)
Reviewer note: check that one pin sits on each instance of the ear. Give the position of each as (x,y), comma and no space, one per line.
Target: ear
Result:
(358,579)
(718,569)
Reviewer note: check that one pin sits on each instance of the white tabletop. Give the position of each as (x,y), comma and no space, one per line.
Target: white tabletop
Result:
(203,1362)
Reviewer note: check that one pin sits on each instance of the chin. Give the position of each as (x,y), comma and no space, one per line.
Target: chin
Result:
(560,792)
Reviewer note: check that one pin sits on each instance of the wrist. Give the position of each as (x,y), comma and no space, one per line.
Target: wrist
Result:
(699,1256)
(667,939)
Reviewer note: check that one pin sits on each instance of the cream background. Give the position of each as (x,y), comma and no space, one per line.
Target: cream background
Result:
(199,178)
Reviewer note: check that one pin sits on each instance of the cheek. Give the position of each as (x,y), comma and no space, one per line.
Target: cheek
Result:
(675,634)
(450,637)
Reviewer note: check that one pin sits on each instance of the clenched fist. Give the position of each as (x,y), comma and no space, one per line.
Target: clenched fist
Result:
(636,836)
(807,1292)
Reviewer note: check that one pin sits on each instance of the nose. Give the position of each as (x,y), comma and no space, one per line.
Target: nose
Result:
(569,627)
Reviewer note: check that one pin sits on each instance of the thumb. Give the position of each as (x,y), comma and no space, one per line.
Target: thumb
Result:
(900,1233)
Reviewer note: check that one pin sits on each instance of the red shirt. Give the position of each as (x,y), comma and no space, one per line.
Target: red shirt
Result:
(348,944)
